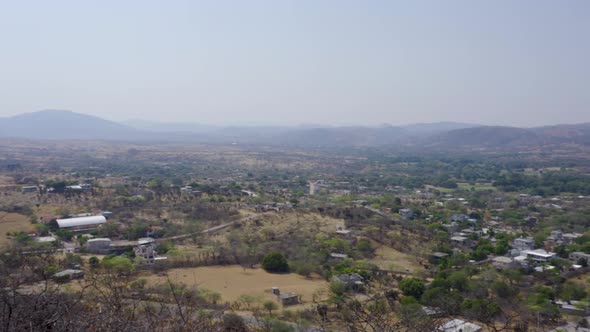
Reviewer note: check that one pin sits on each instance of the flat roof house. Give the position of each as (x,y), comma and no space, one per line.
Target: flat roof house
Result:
(524,243)
(68,274)
(352,281)
(458,325)
(462,240)
(539,255)
(288,299)
(576,255)
(99,245)
(30,189)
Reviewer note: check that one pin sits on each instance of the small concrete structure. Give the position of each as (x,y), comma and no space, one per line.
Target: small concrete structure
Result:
(338,256)
(436,256)
(346,233)
(576,255)
(30,189)
(352,281)
(146,248)
(288,299)
(107,214)
(462,240)
(524,243)
(46,239)
(502,262)
(99,246)
(285,299)
(69,274)
(575,308)
(458,325)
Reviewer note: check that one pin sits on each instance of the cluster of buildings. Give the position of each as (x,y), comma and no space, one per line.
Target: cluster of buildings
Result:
(81,187)
(144,248)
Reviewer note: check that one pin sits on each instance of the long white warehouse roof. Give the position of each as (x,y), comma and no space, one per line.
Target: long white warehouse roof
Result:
(81,221)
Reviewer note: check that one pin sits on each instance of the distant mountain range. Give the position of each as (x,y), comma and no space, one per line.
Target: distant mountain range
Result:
(59,125)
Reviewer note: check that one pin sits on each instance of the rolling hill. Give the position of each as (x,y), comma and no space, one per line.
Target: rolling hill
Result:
(55,124)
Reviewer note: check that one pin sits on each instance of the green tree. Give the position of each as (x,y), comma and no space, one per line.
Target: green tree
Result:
(503,290)
(275,262)
(459,281)
(42,229)
(412,287)
(23,238)
(270,306)
(64,234)
(501,248)
(480,309)
(93,261)
(118,264)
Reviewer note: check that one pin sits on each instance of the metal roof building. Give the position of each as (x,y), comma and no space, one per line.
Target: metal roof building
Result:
(81,221)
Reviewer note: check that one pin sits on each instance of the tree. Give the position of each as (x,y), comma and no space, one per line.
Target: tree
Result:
(502,247)
(23,238)
(64,234)
(480,309)
(583,261)
(275,262)
(42,229)
(233,322)
(93,261)
(118,264)
(503,290)
(270,306)
(412,287)
(459,281)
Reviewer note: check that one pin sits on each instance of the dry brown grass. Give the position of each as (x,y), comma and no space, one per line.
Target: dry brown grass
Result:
(233,281)
(6,180)
(391,259)
(12,222)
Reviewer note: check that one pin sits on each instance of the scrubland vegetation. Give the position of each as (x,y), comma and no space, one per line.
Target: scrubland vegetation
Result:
(359,240)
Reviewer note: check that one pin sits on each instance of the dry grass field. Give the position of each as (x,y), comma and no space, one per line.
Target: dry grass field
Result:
(280,222)
(6,180)
(12,222)
(233,281)
(391,259)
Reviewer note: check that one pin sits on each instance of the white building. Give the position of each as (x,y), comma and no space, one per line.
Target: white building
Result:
(458,325)
(539,255)
(81,222)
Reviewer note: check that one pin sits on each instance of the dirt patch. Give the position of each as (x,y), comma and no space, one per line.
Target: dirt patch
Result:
(12,222)
(281,222)
(233,281)
(391,259)
(6,180)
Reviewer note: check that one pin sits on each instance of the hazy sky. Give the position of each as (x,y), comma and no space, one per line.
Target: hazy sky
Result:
(289,62)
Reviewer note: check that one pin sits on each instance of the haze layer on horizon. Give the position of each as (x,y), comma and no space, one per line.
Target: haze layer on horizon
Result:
(521,63)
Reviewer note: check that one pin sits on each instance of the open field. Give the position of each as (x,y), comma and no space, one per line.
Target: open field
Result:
(390,259)
(12,222)
(280,222)
(477,186)
(6,180)
(233,281)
